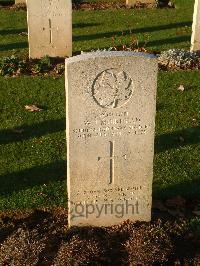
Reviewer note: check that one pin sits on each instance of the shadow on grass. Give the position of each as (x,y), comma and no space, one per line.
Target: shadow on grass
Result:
(177,139)
(12,31)
(85,25)
(51,172)
(163,142)
(189,189)
(133,31)
(45,174)
(36,130)
(185,38)
(35,176)
(6,2)
(12,46)
(54,171)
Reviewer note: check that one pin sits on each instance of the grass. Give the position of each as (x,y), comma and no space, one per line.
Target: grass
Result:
(176,170)
(33,146)
(33,162)
(160,29)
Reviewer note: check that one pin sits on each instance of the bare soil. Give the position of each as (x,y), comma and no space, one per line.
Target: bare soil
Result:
(42,237)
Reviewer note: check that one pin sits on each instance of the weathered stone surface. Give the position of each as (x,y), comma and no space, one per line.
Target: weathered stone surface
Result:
(195,41)
(49,28)
(111,99)
(133,3)
(20,1)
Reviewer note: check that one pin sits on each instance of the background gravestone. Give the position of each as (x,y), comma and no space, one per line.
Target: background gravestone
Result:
(49,28)
(195,42)
(132,3)
(20,1)
(111,99)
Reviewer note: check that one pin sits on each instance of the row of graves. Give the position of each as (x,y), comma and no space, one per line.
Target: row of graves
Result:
(50,28)
(111,105)
(129,3)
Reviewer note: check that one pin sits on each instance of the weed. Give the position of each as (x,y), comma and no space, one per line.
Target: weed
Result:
(194,224)
(12,66)
(42,65)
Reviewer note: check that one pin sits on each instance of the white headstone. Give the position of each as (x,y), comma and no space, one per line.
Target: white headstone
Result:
(133,3)
(111,105)
(20,1)
(49,28)
(195,41)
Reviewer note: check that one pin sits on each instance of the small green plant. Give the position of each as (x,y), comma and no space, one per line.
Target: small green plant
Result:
(43,65)
(132,44)
(165,3)
(12,66)
(194,224)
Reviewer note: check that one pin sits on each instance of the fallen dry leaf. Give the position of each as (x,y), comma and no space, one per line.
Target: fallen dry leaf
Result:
(33,108)
(23,33)
(181,88)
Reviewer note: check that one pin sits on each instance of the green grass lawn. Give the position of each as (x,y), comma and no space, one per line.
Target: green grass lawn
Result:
(157,29)
(33,162)
(33,145)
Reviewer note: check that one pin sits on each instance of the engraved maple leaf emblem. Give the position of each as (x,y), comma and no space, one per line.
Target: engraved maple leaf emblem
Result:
(112,88)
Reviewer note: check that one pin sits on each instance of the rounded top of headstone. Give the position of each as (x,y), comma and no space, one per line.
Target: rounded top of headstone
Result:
(87,56)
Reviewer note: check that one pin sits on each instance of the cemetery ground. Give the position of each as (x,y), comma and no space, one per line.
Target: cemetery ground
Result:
(33,193)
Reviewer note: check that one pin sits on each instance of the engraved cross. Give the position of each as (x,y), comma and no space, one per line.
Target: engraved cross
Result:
(112,161)
(50,31)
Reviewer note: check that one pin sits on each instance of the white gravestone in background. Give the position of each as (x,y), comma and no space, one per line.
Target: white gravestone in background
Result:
(195,42)
(20,1)
(49,28)
(132,3)
(111,103)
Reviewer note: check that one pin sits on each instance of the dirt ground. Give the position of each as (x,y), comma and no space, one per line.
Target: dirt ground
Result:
(41,237)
